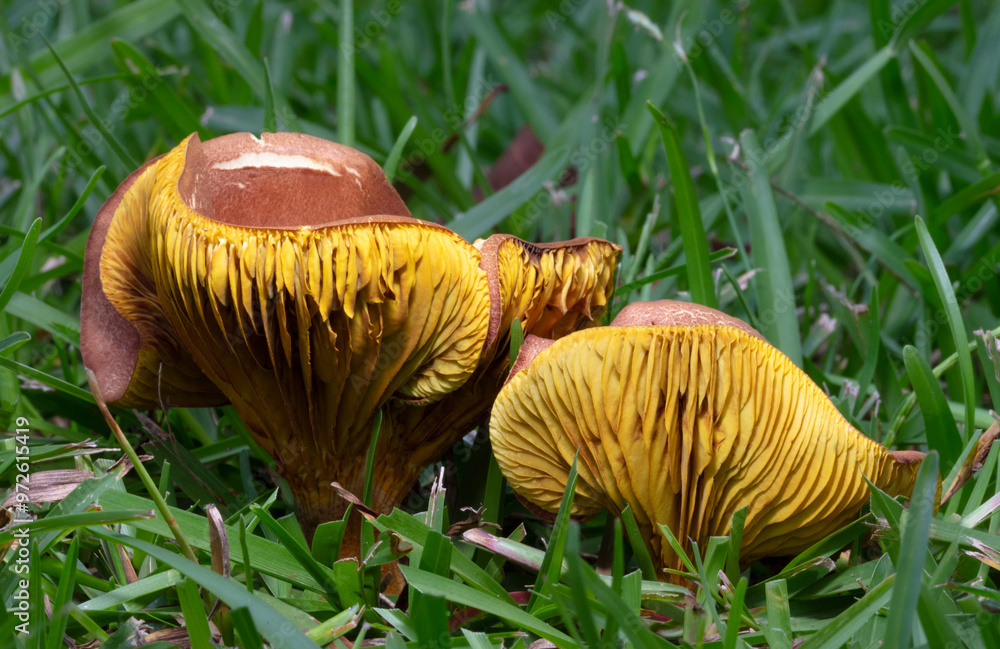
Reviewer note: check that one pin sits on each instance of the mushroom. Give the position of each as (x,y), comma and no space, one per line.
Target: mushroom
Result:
(284,275)
(686,415)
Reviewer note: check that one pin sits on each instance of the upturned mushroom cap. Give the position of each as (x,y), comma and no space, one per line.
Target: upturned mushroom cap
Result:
(284,274)
(686,415)
(279,181)
(553,289)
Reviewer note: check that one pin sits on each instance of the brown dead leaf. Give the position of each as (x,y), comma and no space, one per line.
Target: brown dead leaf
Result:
(974,462)
(48,486)
(218,540)
(473,522)
(359,506)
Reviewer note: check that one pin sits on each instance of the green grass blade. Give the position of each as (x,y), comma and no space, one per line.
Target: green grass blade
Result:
(65,522)
(64,596)
(24,257)
(478,220)
(935,623)
(835,633)
(516,340)
(912,551)
(528,96)
(639,548)
(849,88)
(89,45)
(942,433)
(249,636)
(49,380)
(429,613)
(392,161)
(624,290)
(370,459)
(830,544)
(642,247)
(699,269)
(955,324)
(345,75)
(36,597)
(776,297)
(635,630)
(950,155)
(172,110)
(779,621)
(735,541)
(736,612)
(272,625)
(431,584)
(13,340)
(578,588)
(914,21)
(964,199)
(63,327)
(548,574)
(267,557)
(116,147)
(270,116)
(323,576)
(970,130)
(416,532)
(215,32)
(477,640)
(867,235)
(195,618)
(146,586)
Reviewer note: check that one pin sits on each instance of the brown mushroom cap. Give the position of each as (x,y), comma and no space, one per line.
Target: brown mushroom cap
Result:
(284,180)
(283,274)
(687,423)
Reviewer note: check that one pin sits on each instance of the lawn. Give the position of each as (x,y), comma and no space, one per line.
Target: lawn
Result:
(826,172)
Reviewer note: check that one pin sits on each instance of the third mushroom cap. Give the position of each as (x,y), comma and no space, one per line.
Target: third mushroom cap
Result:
(686,415)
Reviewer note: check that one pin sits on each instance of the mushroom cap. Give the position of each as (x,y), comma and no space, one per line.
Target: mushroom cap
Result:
(279,180)
(291,273)
(686,422)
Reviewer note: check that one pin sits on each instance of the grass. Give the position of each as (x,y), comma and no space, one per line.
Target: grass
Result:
(825,172)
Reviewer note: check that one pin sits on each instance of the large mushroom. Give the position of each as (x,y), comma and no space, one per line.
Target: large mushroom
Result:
(686,415)
(284,275)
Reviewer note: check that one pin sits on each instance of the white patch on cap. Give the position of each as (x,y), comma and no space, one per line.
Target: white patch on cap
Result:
(258,140)
(268,159)
(357,176)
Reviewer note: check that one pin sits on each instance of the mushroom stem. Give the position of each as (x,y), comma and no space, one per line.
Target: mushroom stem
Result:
(316,501)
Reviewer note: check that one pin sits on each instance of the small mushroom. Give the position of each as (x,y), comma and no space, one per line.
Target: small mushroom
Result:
(284,275)
(686,415)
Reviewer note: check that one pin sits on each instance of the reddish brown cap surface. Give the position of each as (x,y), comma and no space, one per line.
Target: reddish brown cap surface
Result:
(108,342)
(531,347)
(283,181)
(673,313)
